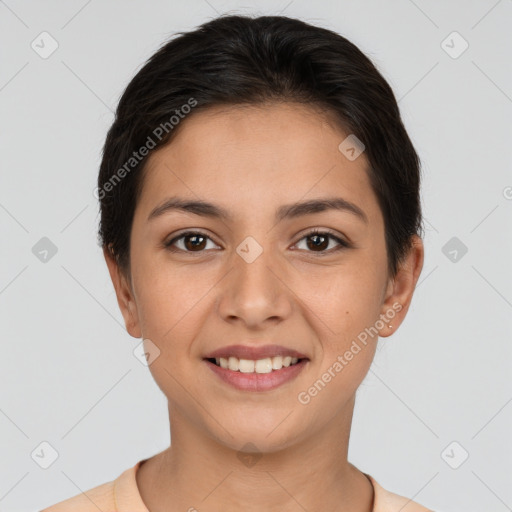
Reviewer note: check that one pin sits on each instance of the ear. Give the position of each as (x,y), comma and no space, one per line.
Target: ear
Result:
(125,296)
(400,289)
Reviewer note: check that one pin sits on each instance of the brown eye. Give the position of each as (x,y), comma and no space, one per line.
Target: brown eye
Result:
(319,241)
(192,241)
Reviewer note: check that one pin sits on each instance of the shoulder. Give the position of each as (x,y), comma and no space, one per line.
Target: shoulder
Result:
(100,497)
(386,501)
(119,495)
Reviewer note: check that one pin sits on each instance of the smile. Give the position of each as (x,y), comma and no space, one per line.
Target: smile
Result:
(259,374)
(266,365)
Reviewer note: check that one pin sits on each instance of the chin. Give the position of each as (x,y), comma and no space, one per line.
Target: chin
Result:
(251,434)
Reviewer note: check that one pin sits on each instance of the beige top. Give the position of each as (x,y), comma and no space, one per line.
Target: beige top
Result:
(122,495)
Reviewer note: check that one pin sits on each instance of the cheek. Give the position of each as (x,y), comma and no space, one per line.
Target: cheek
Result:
(173,303)
(169,300)
(344,300)
(341,313)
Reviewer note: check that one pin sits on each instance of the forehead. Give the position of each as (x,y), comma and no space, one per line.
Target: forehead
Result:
(253,156)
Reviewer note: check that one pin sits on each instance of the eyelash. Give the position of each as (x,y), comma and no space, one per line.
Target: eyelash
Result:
(314,232)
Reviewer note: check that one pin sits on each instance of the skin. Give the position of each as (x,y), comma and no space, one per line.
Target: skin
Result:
(251,160)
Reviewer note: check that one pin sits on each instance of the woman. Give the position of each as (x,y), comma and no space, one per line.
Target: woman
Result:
(261,223)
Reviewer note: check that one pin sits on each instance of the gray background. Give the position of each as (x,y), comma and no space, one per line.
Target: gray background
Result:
(68,373)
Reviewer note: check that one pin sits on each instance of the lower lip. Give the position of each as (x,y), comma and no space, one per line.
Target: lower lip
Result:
(257,381)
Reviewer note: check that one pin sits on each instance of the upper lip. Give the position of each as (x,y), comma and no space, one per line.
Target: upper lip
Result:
(254,353)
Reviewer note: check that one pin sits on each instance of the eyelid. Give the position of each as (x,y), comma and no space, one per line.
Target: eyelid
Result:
(342,242)
(177,236)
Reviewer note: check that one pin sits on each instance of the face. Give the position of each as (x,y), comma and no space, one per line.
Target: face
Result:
(247,277)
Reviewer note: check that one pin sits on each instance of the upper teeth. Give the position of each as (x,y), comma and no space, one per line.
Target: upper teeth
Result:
(259,366)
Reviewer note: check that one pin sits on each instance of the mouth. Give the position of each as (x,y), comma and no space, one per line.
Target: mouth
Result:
(263,374)
(259,366)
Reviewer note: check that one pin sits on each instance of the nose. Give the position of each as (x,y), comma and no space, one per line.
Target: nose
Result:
(255,293)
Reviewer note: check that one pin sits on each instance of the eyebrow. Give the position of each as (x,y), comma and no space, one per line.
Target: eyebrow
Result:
(290,211)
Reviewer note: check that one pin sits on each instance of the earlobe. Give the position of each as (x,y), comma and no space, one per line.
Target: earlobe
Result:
(401,289)
(124,294)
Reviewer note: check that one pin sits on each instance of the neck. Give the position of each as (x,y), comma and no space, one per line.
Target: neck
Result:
(198,472)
